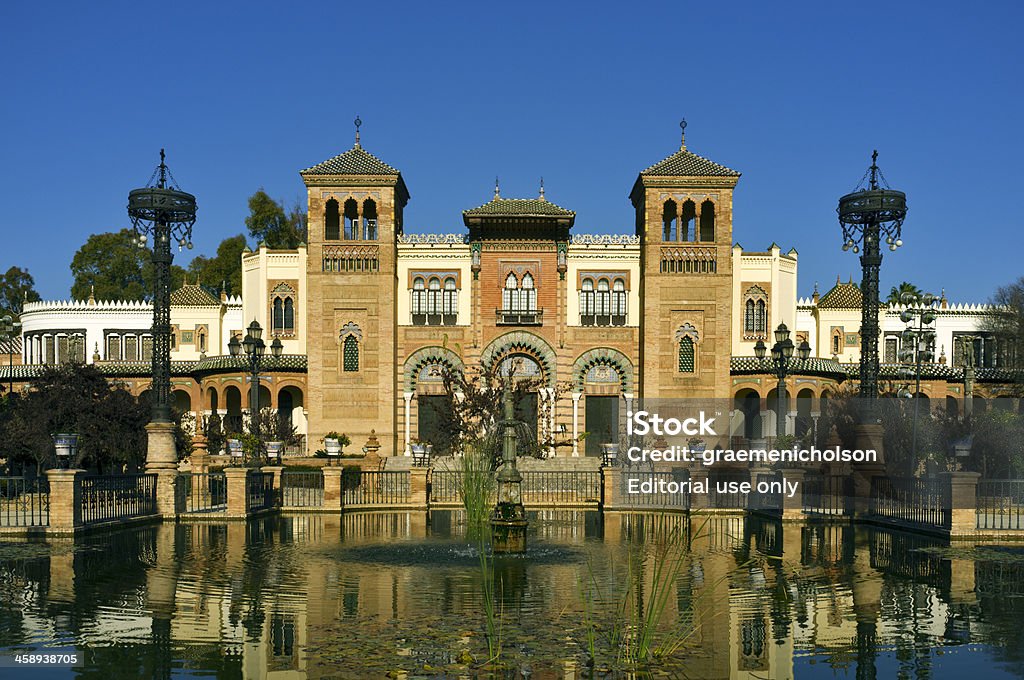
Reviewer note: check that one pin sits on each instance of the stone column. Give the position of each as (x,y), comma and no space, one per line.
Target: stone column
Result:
(200,456)
(162,459)
(238,492)
(963,501)
(576,423)
(869,436)
(408,419)
(332,488)
(418,496)
(699,478)
(276,470)
(65,500)
(756,500)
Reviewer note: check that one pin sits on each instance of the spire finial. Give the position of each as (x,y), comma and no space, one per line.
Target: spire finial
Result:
(497,188)
(358,122)
(682,135)
(542,189)
(874,169)
(92,294)
(163,170)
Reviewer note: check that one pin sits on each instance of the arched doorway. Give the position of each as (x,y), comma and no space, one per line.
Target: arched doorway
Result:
(748,402)
(804,406)
(233,406)
(603,379)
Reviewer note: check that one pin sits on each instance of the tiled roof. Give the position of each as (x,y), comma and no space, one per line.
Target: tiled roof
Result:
(519,207)
(812,366)
(193,295)
(287,363)
(842,296)
(685,163)
(355,161)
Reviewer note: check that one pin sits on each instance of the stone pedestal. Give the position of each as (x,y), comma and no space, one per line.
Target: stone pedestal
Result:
(200,457)
(699,479)
(170,499)
(332,488)
(238,492)
(963,498)
(418,495)
(161,453)
(65,499)
(868,437)
(793,508)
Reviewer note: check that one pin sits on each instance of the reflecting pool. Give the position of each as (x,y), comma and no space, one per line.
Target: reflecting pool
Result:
(369,595)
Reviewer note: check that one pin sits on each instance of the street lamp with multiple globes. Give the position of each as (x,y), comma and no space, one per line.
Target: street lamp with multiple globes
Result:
(918,342)
(864,216)
(165,212)
(254,349)
(783,363)
(9,329)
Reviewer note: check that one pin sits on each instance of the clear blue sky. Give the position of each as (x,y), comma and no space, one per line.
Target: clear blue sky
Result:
(795,96)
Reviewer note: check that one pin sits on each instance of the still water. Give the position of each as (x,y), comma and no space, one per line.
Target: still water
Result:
(400,595)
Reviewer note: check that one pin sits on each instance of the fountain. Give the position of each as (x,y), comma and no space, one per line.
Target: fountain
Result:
(508,520)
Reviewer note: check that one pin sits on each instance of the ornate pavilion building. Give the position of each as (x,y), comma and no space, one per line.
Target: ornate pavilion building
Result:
(369,314)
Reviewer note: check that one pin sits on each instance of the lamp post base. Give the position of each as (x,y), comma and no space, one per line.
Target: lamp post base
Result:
(161,453)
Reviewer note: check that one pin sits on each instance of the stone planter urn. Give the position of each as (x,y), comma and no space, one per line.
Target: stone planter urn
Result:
(235,448)
(332,446)
(274,450)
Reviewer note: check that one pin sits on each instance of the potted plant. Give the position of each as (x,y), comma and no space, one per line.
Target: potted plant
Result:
(274,450)
(235,448)
(696,444)
(334,442)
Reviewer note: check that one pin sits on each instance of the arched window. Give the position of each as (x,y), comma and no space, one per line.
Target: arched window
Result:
(350,354)
(837,341)
(351,220)
(619,302)
(419,301)
(278,319)
(289,314)
(369,220)
(587,303)
(200,341)
(450,310)
(603,303)
(688,221)
(755,313)
(748,317)
(528,301)
(332,221)
(707,221)
(687,336)
(686,361)
(434,301)
(760,317)
(511,291)
(669,221)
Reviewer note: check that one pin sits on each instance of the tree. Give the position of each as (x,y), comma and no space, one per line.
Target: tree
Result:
(472,414)
(112,266)
(1007,323)
(269,223)
(224,269)
(76,398)
(16,287)
(896,293)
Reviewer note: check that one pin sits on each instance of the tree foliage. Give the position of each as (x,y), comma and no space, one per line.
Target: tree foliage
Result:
(75,398)
(269,223)
(1007,324)
(113,267)
(16,287)
(222,270)
(896,293)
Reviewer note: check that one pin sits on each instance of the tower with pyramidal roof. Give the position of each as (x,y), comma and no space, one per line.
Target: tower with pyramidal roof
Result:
(355,203)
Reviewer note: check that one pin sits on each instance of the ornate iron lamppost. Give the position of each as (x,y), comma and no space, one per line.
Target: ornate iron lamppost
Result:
(254,349)
(918,347)
(865,216)
(9,329)
(782,362)
(165,212)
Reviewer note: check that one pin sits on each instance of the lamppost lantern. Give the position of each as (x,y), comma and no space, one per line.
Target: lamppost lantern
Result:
(865,215)
(782,353)
(255,330)
(277,347)
(234,346)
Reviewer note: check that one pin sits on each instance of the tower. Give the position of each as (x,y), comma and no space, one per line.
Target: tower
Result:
(355,203)
(684,221)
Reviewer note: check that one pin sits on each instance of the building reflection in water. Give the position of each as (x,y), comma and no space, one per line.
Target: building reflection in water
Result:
(301,596)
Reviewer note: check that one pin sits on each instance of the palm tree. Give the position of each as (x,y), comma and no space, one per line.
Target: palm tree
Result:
(895,295)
